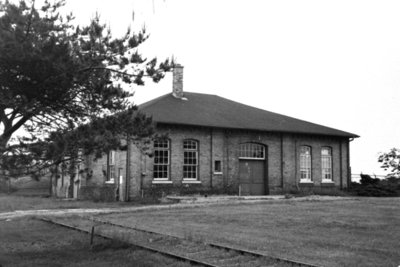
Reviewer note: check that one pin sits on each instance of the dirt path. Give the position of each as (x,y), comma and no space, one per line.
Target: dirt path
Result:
(185,202)
(59,212)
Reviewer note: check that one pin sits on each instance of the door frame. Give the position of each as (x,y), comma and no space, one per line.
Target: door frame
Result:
(265,164)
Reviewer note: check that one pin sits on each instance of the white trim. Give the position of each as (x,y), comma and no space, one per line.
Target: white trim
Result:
(252,158)
(161,181)
(191,181)
(309,181)
(111,181)
(247,150)
(218,173)
(327,181)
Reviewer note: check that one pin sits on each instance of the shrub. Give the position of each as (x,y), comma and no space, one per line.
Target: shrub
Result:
(97,193)
(160,191)
(367,180)
(372,187)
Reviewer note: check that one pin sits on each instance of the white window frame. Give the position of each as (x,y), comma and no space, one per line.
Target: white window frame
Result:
(167,164)
(326,165)
(251,151)
(306,164)
(188,148)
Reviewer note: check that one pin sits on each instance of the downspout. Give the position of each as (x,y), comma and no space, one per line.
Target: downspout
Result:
(211,157)
(295,164)
(226,167)
(117,176)
(341,164)
(143,171)
(282,182)
(128,168)
(348,163)
(117,197)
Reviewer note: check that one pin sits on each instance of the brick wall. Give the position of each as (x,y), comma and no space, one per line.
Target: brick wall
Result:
(283,151)
(291,155)
(96,167)
(282,162)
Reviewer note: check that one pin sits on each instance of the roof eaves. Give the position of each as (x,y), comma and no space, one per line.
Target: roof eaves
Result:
(344,134)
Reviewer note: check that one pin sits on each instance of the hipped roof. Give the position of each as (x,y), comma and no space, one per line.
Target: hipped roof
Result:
(218,112)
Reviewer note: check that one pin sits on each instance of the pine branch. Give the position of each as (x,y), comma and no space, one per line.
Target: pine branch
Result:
(113,70)
(29,21)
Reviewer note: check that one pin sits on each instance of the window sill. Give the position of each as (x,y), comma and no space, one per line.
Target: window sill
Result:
(110,182)
(304,181)
(218,173)
(161,182)
(188,181)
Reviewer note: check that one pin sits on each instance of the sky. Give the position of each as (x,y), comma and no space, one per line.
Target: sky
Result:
(335,63)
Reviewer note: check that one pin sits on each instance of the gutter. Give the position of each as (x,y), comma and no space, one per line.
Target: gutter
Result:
(341,164)
(348,163)
(128,169)
(211,157)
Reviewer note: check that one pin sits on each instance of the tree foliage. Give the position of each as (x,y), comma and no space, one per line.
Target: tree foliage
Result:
(56,77)
(391,161)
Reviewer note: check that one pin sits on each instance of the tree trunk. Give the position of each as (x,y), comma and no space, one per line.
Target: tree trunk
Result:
(3,142)
(51,185)
(71,187)
(9,185)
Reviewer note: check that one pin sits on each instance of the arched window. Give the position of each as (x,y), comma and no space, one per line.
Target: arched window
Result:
(251,151)
(305,163)
(326,163)
(190,159)
(161,159)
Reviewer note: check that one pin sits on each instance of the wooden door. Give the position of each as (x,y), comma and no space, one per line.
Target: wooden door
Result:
(252,177)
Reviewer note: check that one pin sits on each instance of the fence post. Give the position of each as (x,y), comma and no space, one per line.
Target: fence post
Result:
(91,236)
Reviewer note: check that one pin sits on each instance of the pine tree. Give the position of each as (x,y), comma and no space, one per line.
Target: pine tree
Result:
(64,85)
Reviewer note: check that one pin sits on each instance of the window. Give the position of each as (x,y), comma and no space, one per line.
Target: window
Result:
(161,159)
(217,166)
(110,167)
(251,151)
(326,163)
(305,163)
(190,159)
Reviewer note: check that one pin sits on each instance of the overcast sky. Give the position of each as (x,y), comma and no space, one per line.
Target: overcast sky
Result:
(335,63)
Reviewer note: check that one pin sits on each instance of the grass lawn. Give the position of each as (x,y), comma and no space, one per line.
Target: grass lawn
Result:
(30,242)
(360,232)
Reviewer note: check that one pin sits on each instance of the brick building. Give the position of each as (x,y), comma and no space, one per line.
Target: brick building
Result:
(218,145)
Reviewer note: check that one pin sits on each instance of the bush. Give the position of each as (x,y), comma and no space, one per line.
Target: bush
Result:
(320,191)
(368,180)
(372,187)
(160,191)
(97,193)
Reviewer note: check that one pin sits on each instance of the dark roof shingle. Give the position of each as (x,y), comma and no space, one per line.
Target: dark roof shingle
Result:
(214,111)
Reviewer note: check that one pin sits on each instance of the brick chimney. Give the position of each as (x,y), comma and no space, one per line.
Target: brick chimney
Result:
(177,81)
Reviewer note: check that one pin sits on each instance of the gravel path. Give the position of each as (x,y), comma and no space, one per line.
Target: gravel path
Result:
(185,202)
